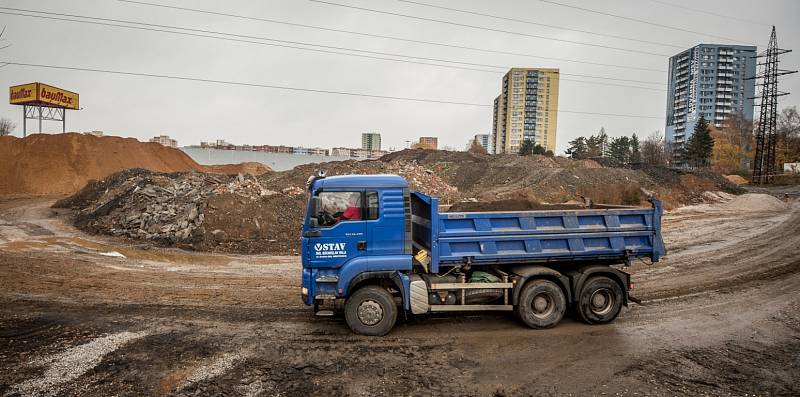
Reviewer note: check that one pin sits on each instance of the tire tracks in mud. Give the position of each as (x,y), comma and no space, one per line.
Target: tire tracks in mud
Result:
(771,255)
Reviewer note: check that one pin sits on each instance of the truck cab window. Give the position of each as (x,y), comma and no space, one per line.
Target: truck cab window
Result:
(372,205)
(335,207)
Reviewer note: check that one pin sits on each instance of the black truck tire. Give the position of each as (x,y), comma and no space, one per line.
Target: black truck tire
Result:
(370,310)
(600,300)
(541,304)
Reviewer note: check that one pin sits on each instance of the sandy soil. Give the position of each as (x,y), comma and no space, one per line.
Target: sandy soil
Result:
(85,315)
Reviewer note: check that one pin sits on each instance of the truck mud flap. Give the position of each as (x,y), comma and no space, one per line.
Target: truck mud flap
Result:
(419,296)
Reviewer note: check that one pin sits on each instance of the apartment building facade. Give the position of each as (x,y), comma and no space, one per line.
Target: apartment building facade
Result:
(371,141)
(526,110)
(708,81)
(165,140)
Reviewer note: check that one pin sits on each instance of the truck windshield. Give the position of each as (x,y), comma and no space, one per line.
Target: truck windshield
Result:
(335,207)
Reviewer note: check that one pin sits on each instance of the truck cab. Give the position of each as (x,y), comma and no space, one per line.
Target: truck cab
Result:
(375,250)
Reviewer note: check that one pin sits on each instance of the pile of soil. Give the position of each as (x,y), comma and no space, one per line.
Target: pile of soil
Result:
(263,214)
(64,163)
(756,202)
(736,179)
(249,167)
(541,179)
(510,205)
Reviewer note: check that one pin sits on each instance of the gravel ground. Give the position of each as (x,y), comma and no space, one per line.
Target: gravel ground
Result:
(719,317)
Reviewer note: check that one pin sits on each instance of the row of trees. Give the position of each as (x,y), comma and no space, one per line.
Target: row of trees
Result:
(621,150)
(728,149)
(697,151)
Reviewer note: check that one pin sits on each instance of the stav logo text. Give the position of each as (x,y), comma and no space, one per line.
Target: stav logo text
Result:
(329,247)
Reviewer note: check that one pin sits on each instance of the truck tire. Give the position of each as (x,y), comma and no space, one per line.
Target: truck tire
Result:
(541,304)
(600,300)
(370,311)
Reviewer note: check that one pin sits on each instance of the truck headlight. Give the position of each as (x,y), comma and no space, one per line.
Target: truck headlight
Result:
(304,291)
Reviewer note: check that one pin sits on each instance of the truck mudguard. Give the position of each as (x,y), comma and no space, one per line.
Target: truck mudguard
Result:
(526,272)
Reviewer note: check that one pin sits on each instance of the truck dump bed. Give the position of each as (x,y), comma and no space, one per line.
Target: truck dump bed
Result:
(597,233)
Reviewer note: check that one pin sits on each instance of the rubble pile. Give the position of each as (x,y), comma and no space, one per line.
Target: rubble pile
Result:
(246,213)
(140,204)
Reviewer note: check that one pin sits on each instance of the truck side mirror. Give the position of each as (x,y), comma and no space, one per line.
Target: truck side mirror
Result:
(313,211)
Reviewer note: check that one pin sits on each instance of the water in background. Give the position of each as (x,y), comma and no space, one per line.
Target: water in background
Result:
(276,161)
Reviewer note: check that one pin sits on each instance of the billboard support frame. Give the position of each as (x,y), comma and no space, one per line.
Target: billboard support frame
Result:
(43,113)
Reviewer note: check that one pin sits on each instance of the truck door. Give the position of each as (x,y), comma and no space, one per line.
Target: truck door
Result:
(385,213)
(340,234)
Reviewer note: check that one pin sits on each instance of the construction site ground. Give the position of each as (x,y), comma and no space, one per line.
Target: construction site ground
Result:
(96,315)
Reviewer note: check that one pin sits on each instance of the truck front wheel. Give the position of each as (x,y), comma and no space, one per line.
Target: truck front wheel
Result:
(600,300)
(541,304)
(370,311)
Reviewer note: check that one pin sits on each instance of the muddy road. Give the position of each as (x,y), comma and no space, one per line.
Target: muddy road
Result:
(87,315)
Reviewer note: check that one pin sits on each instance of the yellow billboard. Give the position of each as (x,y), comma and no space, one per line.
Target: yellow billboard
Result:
(40,94)
(23,94)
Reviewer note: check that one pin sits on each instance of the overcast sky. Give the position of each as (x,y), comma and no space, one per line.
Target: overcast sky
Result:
(191,112)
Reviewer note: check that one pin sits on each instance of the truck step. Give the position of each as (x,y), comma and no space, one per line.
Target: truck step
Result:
(327,279)
(324,313)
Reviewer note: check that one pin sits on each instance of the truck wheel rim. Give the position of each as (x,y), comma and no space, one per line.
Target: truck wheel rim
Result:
(601,301)
(542,305)
(370,312)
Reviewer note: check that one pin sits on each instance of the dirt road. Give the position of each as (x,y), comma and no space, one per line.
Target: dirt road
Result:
(83,315)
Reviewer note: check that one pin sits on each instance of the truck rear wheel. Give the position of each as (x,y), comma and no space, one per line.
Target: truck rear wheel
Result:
(541,304)
(600,300)
(370,311)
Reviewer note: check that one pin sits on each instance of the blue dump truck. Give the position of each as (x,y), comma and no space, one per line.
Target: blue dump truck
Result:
(374,250)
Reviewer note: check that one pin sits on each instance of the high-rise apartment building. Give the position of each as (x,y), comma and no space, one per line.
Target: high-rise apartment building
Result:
(526,110)
(709,81)
(371,141)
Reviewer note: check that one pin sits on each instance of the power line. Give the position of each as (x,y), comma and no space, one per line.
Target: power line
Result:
(307,44)
(488,28)
(697,10)
(529,22)
(404,39)
(243,84)
(289,88)
(608,14)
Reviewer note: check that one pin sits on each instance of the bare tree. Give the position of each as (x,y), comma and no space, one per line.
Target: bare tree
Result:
(653,149)
(789,133)
(6,126)
(475,147)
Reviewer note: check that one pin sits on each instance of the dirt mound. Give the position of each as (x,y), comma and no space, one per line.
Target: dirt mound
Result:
(738,180)
(509,205)
(64,163)
(756,202)
(262,214)
(250,167)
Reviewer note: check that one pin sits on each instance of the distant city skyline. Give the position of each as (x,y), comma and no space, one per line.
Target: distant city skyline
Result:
(622,78)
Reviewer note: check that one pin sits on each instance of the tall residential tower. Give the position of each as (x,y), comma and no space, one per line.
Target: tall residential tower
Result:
(708,80)
(371,141)
(526,110)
